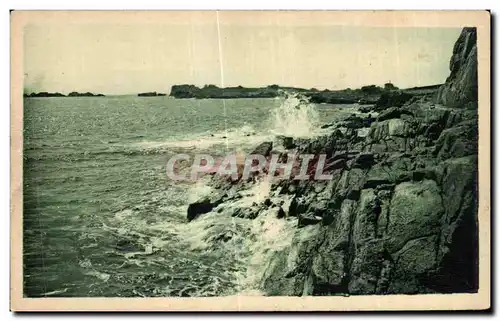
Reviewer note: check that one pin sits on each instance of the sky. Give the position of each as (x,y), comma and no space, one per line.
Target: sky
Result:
(125,57)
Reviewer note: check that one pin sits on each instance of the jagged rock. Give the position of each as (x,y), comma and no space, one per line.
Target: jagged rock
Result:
(356,122)
(298,206)
(203,206)
(336,164)
(308,219)
(460,88)
(319,208)
(247,212)
(399,127)
(390,127)
(393,112)
(350,183)
(366,109)
(263,149)
(280,212)
(286,141)
(364,160)
(458,141)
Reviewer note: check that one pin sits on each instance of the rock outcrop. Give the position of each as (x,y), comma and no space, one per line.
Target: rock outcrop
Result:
(460,89)
(399,215)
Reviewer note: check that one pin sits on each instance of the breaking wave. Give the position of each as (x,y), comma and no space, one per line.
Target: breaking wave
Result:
(295,117)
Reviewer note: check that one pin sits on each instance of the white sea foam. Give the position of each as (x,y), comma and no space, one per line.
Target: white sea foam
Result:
(295,117)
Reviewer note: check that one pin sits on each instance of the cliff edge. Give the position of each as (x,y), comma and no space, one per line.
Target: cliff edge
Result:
(460,89)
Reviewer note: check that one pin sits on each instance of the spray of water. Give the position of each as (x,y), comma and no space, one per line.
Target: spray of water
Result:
(295,117)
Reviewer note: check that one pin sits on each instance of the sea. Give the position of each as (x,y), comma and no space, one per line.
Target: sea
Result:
(102,219)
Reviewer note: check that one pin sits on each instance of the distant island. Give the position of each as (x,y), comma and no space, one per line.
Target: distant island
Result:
(87,94)
(151,94)
(56,94)
(365,95)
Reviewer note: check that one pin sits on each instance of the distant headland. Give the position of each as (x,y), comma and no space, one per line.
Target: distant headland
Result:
(56,94)
(365,95)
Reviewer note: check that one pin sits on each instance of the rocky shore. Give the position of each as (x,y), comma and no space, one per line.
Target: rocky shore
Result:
(399,215)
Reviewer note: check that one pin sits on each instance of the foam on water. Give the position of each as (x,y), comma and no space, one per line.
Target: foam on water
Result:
(295,116)
(246,245)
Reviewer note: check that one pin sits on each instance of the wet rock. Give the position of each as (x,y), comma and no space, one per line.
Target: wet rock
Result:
(203,206)
(298,206)
(263,149)
(366,109)
(287,272)
(198,208)
(280,213)
(286,141)
(224,236)
(128,245)
(308,219)
(247,212)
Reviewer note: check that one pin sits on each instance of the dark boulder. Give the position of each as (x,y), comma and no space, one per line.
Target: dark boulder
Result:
(364,160)
(280,213)
(202,206)
(286,141)
(263,149)
(308,219)
(297,206)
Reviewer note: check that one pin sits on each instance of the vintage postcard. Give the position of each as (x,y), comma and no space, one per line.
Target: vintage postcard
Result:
(250,160)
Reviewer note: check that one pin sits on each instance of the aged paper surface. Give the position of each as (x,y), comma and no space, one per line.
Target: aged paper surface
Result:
(108,98)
